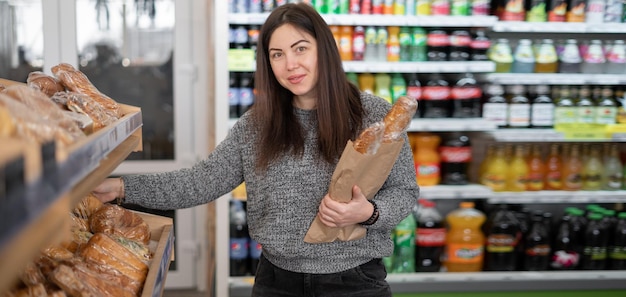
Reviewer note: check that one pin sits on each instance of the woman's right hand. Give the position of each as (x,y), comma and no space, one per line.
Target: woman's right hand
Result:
(109,189)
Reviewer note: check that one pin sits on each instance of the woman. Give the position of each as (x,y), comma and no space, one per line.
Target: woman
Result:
(286,148)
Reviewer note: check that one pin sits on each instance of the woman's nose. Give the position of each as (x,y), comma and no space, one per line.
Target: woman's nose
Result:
(292,62)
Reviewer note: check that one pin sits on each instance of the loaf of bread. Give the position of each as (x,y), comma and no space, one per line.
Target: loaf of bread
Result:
(45,83)
(113,219)
(87,206)
(370,138)
(398,119)
(100,116)
(76,81)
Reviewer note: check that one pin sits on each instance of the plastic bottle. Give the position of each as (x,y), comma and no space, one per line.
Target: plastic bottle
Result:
(576,11)
(404,245)
(466,95)
(594,61)
(593,169)
(345,43)
(423,7)
(430,239)
(503,236)
(388,7)
(382,87)
(418,46)
(440,7)
(367,82)
(613,176)
(519,107)
(371,48)
(437,41)
(524,57)
(460,7)
(353,78)
(606,111)
(554,167)
(456,156)
(460,41)
(398,86)
(536,169)
(382,37)
(393,44)
(465,239)
(427,159)
(436,97)
(564,253)
(479,46)
(585,107)
(596,239)
(495,107)
(490,153)
(616,58)
(358,43)
(557,10)
(480,7)
(239,239)
(496,170)
(546,60)
(542,108)
(537,11)
(573,170)
(500,54)
(537,245)
(255,250)
(406,41)
(613,11)
(233,95)
(399,7)
(413,88)
(569,59)
(246,94)
(617,251)
(594,13)
(518,171)
(620,100)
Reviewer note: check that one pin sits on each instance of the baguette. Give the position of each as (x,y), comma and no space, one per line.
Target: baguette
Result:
(47,84)
(398,119)
(369,140)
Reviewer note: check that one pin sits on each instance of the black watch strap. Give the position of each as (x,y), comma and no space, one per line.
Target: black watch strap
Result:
(374,217)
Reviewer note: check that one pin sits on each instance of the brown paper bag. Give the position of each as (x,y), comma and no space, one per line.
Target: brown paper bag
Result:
(369,172)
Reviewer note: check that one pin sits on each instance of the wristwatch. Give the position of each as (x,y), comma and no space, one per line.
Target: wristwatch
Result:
(374,217)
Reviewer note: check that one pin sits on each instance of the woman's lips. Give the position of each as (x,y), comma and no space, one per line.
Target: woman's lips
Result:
(294,79)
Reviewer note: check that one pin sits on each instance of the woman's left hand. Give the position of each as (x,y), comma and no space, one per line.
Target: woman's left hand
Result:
(340,214)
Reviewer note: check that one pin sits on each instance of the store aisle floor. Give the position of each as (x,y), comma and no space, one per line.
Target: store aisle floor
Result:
(184,293)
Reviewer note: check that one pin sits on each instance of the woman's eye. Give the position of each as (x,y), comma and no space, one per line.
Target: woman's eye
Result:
(276,55)
(301,49)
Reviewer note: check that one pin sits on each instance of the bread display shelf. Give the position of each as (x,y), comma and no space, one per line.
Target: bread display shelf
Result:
(54,180)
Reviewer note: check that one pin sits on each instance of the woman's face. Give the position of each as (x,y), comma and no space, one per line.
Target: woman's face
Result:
(293,57)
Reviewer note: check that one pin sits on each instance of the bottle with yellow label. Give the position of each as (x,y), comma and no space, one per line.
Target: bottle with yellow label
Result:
(593,169)
(465,240)
(536,169)
(554,166)
(518,171)
(496,170)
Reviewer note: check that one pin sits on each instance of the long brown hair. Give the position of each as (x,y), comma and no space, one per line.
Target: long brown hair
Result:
(339,109)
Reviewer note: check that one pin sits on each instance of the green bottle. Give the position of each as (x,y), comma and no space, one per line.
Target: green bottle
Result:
(398,86)
(382,87)
(353,78)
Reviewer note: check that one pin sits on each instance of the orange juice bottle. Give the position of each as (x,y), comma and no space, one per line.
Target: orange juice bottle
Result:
(536,169)
(393,44)
(573,170)
(495,173)
(426,157)
(345,43)
(518,171)
(554,164)
(465,240)
(367,82)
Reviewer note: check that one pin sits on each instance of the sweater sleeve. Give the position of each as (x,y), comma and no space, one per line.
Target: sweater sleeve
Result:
(204,182)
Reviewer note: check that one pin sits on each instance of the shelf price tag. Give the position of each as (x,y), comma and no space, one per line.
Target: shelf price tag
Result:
(583,131)
(241,60)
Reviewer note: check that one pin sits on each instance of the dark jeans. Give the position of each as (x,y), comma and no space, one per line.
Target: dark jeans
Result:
(367,280)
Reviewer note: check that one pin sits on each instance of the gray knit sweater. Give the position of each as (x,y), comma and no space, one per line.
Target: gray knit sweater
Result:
(283,202)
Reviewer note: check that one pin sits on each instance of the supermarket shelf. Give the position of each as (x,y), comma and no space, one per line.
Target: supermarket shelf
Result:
(482,281)
(549,135)
(378,20)
(556,78)
(451,124)
(558,27)
(546,197)
(455,192)
(419,67)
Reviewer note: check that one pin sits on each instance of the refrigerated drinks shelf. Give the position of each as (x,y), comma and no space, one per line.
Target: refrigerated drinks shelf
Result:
(556,78)
(419,67)
(557,27)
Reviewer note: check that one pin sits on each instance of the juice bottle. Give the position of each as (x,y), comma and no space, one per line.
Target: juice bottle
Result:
(393,44)
(345,43)
(592,170)
(613,170)
(554,164)
(524,57)
(518,170)
(489,156)
(536,169)
(570,59)
(500,53)
(496,169)
(576,11)
(358,43)
(367,82)
(422,7)
(371,48)
(546,60)
(465,240)
(426,157)
(382,87)
(537,11)
(573,170)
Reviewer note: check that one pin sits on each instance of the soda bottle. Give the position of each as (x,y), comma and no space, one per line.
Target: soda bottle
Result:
(554,167)
(430,239)
(576,11)
(456,155)
(617,251)
(569,59)
(233,95)
(382,37)
(519,107)
(423,7)
(436,97)
(466,95)
(496,170)
(564,253)
(479,46)
(440,7)
(593,169)
(427,160)
(616,58)
(606,111)
(437,41)
(524,57)
(536,169)
(255,254)
(596,239)
(413,88)
(495,107)
(536,11)
(557,10)
(573,170)
(404,246)
(239,239)
(411,8)
(465,239)
(399,7)
(546,61)
(393,44)
(345,43)
(355,7)
(353,78)
(537,245)
(480,7)
(460,7)
(594,59)
(542,108)
(500,53)
(595,12)
(406,41)
(382,87)
(613,170)
(388,6)
(367,82)
(246,93)
(371,48)
(586,109)
(503,236)
(518,171)
(358,43)
(511,10)
(460,41)
(398,86)
(418,46)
